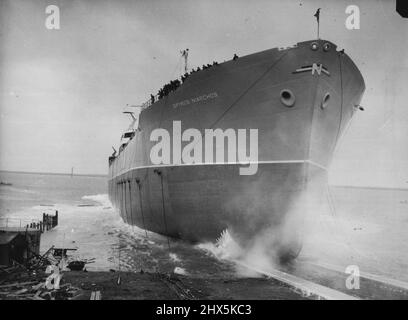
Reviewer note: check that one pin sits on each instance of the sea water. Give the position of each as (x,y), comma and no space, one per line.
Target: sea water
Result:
(367,227)
(89,224)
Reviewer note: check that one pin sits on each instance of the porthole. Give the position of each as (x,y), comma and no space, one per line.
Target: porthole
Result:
(326,47)
(287,98)
(314,46)
(325,101)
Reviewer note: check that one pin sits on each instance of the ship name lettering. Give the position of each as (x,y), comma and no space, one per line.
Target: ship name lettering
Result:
(181,103)
(203,97)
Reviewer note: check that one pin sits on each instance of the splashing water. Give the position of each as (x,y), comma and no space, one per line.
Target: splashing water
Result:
(226,248)
(97,231)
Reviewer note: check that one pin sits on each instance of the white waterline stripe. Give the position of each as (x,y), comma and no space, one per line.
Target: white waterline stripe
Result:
(221,163)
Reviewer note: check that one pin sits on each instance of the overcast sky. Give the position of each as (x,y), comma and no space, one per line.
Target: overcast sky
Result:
(62,91)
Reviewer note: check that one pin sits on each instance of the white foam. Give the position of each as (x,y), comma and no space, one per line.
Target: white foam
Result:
(179,270)
(174,257)
(226,248)
(103,199)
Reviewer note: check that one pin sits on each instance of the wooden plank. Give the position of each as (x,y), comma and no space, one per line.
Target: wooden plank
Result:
(17,284)
(35,298)
(95,295)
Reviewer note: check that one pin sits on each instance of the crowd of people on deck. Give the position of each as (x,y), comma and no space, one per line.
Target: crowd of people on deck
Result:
(169,87)
(174,84)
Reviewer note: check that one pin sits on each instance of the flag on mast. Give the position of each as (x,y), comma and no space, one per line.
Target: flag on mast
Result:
(317,15)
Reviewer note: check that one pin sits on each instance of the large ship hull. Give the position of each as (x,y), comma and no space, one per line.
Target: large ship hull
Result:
(296,140)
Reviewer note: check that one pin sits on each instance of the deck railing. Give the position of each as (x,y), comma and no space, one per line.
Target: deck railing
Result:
(16,223)
(148,103)
(48,222)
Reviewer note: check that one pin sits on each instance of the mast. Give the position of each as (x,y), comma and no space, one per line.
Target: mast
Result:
(184,54)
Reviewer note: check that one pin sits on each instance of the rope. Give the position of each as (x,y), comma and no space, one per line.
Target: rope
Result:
(124,196)
(332,206)
(130,201)
(163,207)
(164,212)
(341,100)
(340,141)
(141,205)
(333,210)
(121,197)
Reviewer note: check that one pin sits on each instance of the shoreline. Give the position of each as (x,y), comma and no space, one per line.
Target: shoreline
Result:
(93,175)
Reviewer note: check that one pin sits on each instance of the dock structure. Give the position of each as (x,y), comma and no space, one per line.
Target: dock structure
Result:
(18,245)
(20,241)
(49,222)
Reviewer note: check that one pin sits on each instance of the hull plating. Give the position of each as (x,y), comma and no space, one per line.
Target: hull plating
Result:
(295,144)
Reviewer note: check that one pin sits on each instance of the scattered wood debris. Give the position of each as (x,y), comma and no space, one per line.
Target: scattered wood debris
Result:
(41,278)
(37,290)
